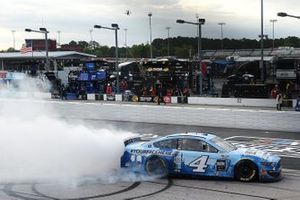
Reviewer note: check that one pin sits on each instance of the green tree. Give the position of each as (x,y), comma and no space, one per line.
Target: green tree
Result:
(10,49)
(72,43)
(291,42)
(83,44)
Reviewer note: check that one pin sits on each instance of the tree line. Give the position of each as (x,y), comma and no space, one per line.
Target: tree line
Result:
(182,47)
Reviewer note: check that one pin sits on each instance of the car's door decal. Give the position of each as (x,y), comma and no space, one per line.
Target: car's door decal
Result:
(200,164)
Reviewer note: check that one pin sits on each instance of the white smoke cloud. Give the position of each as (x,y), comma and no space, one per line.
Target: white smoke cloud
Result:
(34,146)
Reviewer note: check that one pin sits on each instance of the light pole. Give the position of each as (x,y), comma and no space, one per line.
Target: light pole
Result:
(261,63)
(44,31)
(58,33)
(125,30)
(114,27)
(199,23)
(150,29)
(14,40)
(222,24)
(273,31)
(283,14)
(91,37)
(168,31)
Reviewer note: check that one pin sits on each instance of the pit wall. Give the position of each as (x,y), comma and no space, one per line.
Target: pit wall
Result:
(235,102)
(186,115)
(229,117)
(213,101)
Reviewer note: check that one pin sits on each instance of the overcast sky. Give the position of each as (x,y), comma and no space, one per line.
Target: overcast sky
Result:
(74,18)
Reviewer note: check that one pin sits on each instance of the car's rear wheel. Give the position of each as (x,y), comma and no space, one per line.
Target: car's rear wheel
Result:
(246,171)
(156,166)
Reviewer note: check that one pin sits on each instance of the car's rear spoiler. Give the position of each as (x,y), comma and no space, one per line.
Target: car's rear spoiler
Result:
(139,138)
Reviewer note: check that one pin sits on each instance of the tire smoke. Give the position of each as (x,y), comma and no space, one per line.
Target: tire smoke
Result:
(35,146)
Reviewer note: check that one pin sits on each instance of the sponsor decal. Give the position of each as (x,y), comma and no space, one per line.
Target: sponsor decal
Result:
(178,161)
(111,97)
(145,99)
(151,152)
(167,99)
(157,69)
(221,165)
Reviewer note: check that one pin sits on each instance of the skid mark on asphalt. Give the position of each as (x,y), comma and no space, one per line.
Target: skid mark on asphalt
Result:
(170,183)
(131,187)
(37,195)
(282,147)
(8,190)
(224,192)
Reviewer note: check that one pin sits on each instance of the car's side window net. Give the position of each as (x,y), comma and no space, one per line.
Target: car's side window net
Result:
(195,145)
(166,144)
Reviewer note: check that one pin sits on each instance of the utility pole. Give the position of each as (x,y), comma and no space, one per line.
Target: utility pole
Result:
(14,40)
(168,30)
(91,36)
(222,24)
(261,63)
(150,29)
(58,33)
(125,30)
(273,31)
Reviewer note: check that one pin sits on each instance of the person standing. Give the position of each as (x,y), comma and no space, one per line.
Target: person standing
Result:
(274,92)
(158,90)
(279,101)
(109,89)
(152,92)
(159,94)
(297,107)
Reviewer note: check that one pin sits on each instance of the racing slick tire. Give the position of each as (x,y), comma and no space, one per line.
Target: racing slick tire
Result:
(156,166)
(246,171)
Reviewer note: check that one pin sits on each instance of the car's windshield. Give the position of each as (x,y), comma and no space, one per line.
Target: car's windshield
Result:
(223,144)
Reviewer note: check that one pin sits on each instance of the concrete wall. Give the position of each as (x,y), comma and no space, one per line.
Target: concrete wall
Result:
(234,101)
(233,117)
(216,117)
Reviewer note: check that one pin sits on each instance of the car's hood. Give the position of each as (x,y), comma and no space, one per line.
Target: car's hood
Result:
(257,153)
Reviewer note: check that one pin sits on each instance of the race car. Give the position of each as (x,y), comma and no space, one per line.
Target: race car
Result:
(199,154)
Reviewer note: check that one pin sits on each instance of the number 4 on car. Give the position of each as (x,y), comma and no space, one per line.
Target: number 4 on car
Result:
(200,155)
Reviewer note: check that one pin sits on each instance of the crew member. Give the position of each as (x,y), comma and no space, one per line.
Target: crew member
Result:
(108,89)
(274,92)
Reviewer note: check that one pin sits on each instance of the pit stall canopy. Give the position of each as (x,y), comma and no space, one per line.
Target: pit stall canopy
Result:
(167,67)
(12,61)
(170,72)
(221,66)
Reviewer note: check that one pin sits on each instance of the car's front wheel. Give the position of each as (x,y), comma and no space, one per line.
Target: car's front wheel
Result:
(246,171)
(156,166)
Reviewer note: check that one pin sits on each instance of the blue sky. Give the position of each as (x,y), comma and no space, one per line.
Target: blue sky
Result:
(74,18)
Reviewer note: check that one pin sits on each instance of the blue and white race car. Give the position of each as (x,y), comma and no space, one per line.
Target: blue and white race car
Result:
(199,154)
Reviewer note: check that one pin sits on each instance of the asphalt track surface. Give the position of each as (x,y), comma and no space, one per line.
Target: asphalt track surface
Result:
(172,188)
(175,188)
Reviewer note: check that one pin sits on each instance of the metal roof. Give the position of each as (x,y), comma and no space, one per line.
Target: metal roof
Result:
(254,58)
(42,54)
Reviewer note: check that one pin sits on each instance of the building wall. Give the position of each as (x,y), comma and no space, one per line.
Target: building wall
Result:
(39,44)
(68,47)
